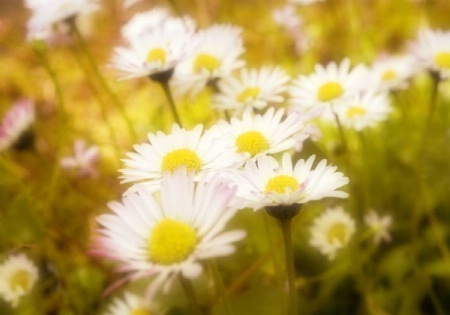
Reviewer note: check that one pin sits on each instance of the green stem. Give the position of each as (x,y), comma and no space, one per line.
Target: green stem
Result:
(190,294)
(285,225)
(93,65)
(168,93)
(220,285)
(433,101)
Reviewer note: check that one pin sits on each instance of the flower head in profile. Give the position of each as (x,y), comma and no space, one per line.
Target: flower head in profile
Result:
(213,54)
(15,129)
(392,73)
(379,226)
(326,85)
(362,110)
(332,231)
(168,233)
(84,159)
(18,275)
(432,50)
(255,88)
(272,184)
(197,151)
(130,304)
(254,135)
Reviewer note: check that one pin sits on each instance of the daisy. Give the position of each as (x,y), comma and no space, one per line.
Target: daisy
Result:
(155,53)
(362,110)
(391,73)
(271,184)
(332,231)
(213,54)
(130,304)
(379,226)
(256,135)
(145,22)
(326,85)
(18,275)
(47,14)
(197,151)
(167,234)
(254,88)
(15,129)
(84,159)
(432,49)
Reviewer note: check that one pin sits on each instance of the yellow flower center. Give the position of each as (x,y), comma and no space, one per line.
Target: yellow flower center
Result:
(171,242)
(140,311)
(329,91)
(157,54)
(205,61)
(354,111)
(337,232)
(181,157)
(282,184)
(442,59)
(252,142)
(20,281)
(248,93)
(388,75)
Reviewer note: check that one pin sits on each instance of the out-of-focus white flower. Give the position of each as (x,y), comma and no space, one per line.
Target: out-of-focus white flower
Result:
(287,17)
(84,159)
(168,233)
(18,275)
(213,54)
(15,129)
(432,50)
(304,2)
(253,89)
(379,226)
(131,304)
(332,231)
(391,73)
(129,3)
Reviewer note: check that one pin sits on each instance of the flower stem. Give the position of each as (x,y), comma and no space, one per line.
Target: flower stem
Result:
(285,225)
(190,294)
(168,93)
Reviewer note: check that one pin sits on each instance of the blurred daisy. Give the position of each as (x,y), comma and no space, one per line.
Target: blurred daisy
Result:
(254,88)
(130,304)
(305,2)
(271,184)
(145,22)
(379,226)
(287,17)
(213,54)
(332,231)
(166,235)
(18,275)
(432,49)
(362,111)
(391,73)
(15,129)
(156,52)
(326,85)
(256,135)
(198,152)
(47,14)
(84,159)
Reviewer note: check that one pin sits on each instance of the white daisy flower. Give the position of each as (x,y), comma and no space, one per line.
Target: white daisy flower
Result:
(213,54)
(156,52)
(130,304)
(254,88)
(145,22)
(361,111)
(18,275)
(197,151)
(84,159)
(15,129)
(287,17)
(391,73)
(271,184)
(255,135)
(46,14)
(326,85)
(167,234)
(379,226)
(432,49)
(332,231)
